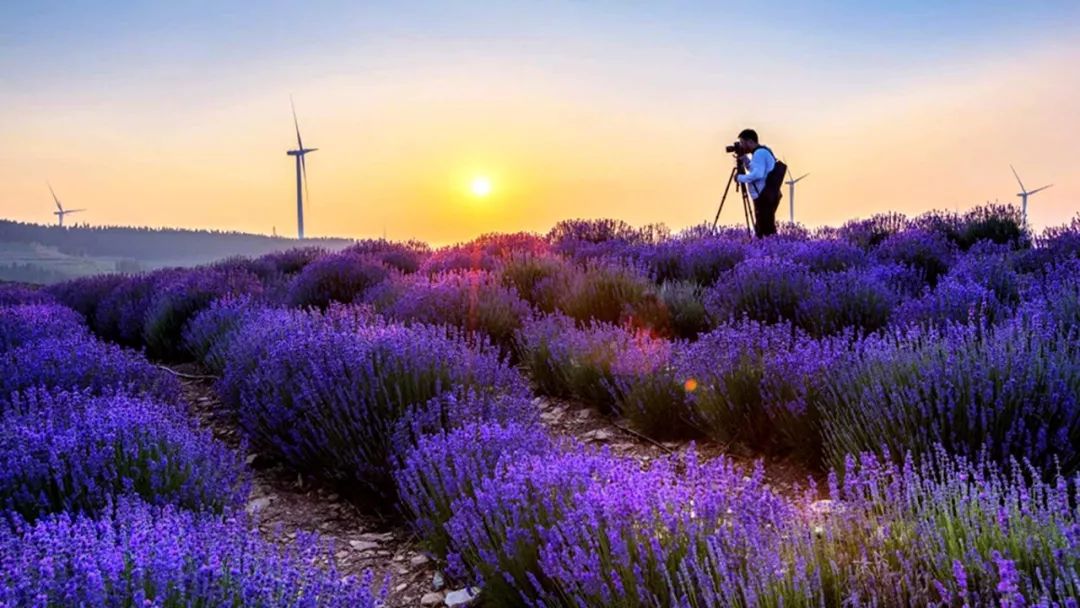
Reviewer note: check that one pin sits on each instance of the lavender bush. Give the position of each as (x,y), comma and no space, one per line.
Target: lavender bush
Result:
(404,257)
(952,301)
(20,324)
(701,259)
(496,531)
(758,385)
(447,466)
(948,532)
(14,295)
(121,315)
(1011,391)
(999,224)
(180,299)
(485,253)
(993,267)
(458,407)
(605,292)
(70,452)
(567,361)
(339,277)
(860,299)
(79,362)
(474,301)
(626,542)
(763,289)
(930,253)
(329,401)
(682,311)
(588,239)
(536,278)
(828,255)
(207,332)
(137,555)
(85,294)
(292,261)
(871,232)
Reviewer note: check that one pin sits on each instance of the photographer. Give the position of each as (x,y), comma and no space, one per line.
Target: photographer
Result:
(766,197)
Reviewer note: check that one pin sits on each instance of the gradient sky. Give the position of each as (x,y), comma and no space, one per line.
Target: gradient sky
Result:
(177,113)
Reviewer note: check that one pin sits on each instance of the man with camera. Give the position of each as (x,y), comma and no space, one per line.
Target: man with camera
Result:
(762,178)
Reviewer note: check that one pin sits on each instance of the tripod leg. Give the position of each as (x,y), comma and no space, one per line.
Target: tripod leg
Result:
(748,210)
(731,179)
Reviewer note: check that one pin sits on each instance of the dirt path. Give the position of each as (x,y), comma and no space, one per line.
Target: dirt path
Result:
(286,502)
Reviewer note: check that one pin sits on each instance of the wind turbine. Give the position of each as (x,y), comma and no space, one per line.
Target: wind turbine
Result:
(60,211)
(1025,193)
(301,173)
(791,194)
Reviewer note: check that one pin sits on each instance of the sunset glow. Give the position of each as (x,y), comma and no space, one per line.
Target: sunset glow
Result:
(173,115)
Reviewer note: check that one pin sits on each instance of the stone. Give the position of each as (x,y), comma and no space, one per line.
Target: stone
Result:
(258,504)
(602,435)
(378,538)
(437,581)
(419,560)
(462,597)
(363,545)
(400,587)
(431,599)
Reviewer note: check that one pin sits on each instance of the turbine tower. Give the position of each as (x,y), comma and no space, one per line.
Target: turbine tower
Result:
(1024,194)
(60,211)
(301,173)
(791,194)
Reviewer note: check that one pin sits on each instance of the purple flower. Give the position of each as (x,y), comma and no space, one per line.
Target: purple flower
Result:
(80,362)
(496,530)
(21,324)
(71,452)
(474,301)
(15,295)
(930,253)
(404,257)
(182,297)
(330,399)
(339,277)
(136,555)
(447,466)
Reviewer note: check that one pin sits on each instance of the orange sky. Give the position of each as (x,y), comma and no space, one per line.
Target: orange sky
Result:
(398,147)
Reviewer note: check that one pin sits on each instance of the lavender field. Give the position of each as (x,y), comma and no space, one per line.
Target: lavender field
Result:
(922,376)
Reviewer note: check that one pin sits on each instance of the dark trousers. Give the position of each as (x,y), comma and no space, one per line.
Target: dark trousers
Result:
(765,216)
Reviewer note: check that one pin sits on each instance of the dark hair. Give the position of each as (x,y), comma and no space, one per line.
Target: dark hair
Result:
(749,134)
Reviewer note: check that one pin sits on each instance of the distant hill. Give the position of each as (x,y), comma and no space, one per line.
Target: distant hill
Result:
(47,254)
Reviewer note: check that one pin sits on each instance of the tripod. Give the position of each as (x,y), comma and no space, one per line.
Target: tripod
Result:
(748,208)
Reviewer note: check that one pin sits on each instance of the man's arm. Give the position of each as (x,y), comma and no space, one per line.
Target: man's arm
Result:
(757,169)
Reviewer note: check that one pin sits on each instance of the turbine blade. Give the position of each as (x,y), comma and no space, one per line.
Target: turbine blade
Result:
(58,206)
(296,123)
(74,210)
(1040,189)
(1017,178)
(804,175)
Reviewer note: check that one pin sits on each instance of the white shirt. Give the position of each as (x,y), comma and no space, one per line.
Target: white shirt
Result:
(761,163)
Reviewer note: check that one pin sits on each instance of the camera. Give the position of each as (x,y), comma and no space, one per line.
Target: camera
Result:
(736,148)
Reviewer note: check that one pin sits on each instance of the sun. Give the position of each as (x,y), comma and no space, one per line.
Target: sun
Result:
(480,186)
